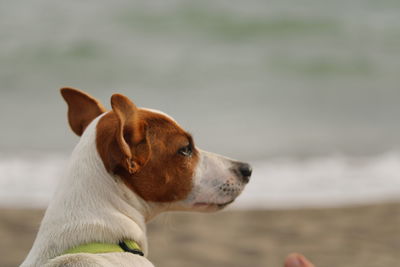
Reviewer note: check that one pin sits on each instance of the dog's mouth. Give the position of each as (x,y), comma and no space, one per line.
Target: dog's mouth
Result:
(213,205)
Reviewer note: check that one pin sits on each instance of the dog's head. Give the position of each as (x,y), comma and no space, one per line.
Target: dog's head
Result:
(154,156)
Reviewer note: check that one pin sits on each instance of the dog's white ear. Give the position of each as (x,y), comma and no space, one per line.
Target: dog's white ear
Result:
(131,134)
(82,109)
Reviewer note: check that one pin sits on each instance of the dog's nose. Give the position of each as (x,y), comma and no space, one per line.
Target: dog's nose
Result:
(245,171)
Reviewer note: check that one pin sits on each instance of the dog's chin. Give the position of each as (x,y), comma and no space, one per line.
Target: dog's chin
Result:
(210,206)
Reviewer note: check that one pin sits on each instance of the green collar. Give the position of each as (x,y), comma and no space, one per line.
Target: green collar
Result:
(122,246)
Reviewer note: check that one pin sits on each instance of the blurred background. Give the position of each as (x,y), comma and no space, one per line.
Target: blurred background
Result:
(305,90)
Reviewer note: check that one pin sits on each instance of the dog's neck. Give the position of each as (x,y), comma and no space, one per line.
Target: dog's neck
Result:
(89,205)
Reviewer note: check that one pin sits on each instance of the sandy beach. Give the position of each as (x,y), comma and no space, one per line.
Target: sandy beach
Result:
(366,236)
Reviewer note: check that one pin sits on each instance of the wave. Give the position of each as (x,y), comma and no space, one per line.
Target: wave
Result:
(323,181)
(29,181)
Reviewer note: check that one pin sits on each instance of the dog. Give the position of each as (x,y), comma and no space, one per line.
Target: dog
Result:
(130,164)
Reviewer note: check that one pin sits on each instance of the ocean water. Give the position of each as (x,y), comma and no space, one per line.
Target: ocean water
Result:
(307,90)
(326,181)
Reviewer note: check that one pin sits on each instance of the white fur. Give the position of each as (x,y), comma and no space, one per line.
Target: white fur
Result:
(215,182)
(90,205)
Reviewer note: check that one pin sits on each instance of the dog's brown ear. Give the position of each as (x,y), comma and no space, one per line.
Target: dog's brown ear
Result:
(82,109)
(131,134)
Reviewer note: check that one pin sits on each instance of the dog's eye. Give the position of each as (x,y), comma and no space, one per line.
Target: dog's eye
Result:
(186,151)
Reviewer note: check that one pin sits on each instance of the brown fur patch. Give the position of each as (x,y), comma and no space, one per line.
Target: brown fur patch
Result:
(82,109)
(162,174)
